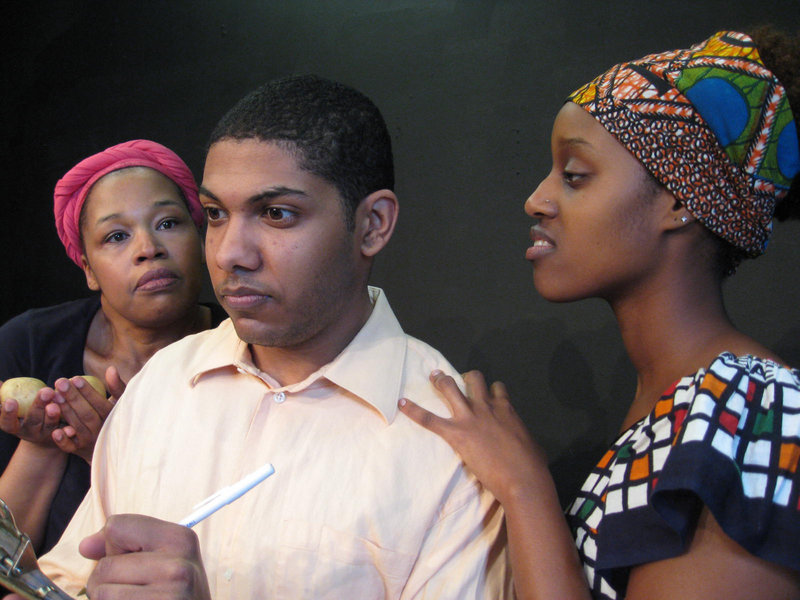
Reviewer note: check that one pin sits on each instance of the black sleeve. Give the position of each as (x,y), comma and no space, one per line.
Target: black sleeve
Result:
(15,348)
(46,343)
(15,361)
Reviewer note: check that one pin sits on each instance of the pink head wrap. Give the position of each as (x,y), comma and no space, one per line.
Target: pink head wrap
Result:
(73,188)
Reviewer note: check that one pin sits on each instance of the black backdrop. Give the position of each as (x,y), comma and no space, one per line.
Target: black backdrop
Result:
(469,90)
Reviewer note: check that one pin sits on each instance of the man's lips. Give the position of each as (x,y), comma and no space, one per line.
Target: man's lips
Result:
(542,244)
(242,297)
(155,280)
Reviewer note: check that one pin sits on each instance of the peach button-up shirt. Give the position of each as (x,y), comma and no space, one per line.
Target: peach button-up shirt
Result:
(364,503)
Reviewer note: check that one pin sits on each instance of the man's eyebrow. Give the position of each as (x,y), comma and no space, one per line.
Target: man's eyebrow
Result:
(269,194)
(203,191)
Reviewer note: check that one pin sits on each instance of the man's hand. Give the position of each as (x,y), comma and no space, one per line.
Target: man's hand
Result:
(144,557)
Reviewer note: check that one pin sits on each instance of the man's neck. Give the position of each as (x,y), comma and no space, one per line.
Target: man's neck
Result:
(291,364)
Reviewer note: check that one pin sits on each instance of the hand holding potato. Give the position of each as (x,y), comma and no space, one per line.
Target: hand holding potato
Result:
(84,407)
(68,416)
(27,411)
(23,390)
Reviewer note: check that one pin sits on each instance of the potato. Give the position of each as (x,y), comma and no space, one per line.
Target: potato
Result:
(95,383)
(24,389)
(21,389)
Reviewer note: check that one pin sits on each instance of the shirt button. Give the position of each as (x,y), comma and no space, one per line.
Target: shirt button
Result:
(280,397)
(228,574)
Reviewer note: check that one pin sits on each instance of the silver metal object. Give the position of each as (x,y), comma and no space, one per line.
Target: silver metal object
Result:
(19,570)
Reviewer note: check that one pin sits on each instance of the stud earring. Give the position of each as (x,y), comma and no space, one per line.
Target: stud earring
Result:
(684,218)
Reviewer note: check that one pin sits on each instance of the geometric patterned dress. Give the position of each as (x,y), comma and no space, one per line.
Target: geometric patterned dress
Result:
(727,438)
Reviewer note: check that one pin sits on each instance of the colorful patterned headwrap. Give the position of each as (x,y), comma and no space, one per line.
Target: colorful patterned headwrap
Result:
(712,124)
(72,189)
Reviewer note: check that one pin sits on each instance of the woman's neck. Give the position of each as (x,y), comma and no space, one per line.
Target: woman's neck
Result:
(115,340)
(670,329)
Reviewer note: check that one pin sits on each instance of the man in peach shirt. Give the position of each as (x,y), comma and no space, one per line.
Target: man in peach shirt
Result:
(306,375)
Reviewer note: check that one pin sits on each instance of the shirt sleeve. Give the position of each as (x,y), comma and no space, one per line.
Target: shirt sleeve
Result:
(737,453)
(63,564)
(464,555)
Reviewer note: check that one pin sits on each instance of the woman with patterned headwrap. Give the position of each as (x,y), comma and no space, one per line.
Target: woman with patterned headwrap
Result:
(667,171)
(130,218)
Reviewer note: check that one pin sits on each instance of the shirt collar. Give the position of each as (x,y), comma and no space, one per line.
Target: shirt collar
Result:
(370,366)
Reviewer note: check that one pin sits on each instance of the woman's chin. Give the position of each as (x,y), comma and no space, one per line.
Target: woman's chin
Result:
(553,291)
(162,312)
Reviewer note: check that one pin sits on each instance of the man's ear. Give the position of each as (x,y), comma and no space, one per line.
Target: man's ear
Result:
(376,217)
(91,280)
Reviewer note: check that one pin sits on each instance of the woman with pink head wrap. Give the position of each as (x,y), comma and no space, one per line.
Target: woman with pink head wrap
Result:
(667,172)
(130,218)
(73,188)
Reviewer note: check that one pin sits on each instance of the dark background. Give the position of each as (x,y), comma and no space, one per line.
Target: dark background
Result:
(469,91)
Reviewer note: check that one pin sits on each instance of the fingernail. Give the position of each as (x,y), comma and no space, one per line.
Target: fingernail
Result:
(62,385)
(402,402)
(435,373)
(78,382)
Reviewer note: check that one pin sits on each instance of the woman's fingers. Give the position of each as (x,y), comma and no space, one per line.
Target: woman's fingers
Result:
(476,400)
(463,407)
(485,431)
(97,401)
(84,409)
(114,383)
(64,438)
(477,391)
(423,417)
(498,391)
(52,410)
(9,421)
(77,412)
(42,417)
(500,401)
(458,402)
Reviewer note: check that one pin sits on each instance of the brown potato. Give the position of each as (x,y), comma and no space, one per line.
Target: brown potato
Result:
(21,389)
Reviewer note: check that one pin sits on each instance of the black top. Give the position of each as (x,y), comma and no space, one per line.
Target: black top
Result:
(48,343)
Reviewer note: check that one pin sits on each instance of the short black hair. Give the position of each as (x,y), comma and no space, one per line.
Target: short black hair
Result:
(334,131)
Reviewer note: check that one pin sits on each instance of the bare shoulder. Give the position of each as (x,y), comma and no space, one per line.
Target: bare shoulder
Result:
(741,344)
(714,566)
